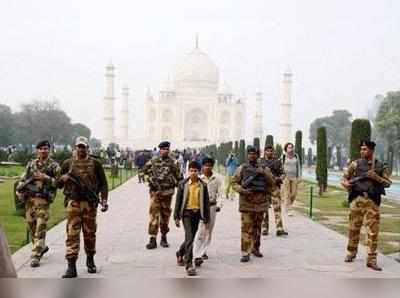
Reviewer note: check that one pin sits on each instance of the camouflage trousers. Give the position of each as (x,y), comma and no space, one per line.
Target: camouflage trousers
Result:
(160,213)
(37,216)
(251,231)
(364,210)
(276,205)
(80,216)
(289,192)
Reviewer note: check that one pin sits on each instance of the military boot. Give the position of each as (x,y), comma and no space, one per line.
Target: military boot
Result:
(152,243)
(45,250)
(71,269)
(280,233)
(164,242)
(245,259)
(91,266)
(35,262)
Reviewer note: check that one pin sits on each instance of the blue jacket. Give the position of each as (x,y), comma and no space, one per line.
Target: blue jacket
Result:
(231,165)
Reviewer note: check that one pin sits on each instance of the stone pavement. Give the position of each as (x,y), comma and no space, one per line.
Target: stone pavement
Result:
(311,250)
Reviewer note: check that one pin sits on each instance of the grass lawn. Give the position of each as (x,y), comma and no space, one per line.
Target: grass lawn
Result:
(11,171)
(331,210)
(14,225)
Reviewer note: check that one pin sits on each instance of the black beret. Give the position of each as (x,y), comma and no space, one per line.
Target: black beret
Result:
(43,143)
(208,160)
(165,144)
(194,165)
(251,149)
(370,144)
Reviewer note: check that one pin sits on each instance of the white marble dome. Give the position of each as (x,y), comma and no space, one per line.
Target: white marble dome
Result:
(197,67)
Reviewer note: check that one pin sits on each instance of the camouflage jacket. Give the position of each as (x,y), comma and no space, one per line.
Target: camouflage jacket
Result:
(90,171)
(254,202)
(162,174)
(46,189)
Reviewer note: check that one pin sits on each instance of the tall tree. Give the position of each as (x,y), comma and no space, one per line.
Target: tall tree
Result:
(236,148)
(339,157)
(278,150)
(360,130)
(79,129)
(269,141)
(242,152)
(322,160)
(336,137)
(388,126)
(41,120)
(309,157)
(6,126)
(298,145)
(256,143)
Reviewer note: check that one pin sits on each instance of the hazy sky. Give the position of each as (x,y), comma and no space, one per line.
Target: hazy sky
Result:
(342,53)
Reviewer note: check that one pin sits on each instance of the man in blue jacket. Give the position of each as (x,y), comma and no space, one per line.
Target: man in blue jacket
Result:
(231,164)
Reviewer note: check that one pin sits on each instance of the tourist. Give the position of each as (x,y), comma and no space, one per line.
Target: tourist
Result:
(292,169)
(231,165)
(140,162)
(204,234)
(191,206)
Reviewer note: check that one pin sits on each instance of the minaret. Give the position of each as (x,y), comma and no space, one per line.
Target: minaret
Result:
(125,115)
(286,109)
(258,119)
(109,102)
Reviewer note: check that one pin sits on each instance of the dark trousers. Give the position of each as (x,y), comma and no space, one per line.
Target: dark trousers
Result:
(191,220)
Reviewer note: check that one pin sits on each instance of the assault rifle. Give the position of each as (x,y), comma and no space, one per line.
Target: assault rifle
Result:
(250,182)
(86,192)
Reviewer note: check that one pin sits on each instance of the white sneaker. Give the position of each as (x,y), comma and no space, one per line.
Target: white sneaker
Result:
(290,213)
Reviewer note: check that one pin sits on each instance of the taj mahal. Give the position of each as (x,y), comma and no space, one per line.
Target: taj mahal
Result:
(192,110)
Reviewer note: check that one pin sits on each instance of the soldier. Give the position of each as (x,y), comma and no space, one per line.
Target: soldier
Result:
(163,175)
(366,180)
(83,178)
(270,161)
(255,186)
(38,190)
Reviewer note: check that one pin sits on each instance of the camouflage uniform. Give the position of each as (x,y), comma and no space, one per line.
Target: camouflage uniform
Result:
(275,166)
(252,207)
(38,199)
(163,175)
(81,215)
(364,209)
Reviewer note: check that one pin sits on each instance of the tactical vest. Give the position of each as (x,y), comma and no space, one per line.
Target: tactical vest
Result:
(253,181)
(85,169)
(272,164)
(163,173)
(362,184)
(41,188)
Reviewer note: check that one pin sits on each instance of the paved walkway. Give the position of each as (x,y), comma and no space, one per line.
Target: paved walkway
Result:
(311,250)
